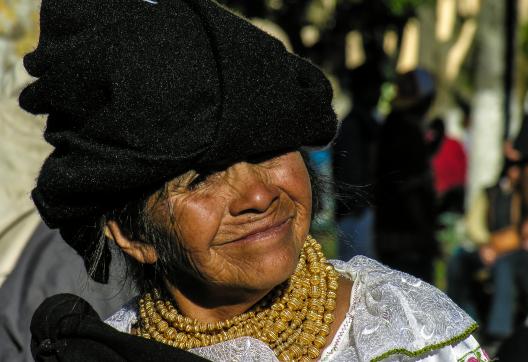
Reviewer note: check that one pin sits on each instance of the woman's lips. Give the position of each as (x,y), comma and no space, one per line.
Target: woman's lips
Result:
(275,230)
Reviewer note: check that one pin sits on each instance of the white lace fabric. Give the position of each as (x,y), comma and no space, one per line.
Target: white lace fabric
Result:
(392,317)
(394,314)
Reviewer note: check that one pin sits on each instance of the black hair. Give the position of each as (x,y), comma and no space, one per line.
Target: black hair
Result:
(135,221)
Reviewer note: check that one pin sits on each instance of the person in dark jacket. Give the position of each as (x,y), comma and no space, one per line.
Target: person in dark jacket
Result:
(405,198)
(353,160)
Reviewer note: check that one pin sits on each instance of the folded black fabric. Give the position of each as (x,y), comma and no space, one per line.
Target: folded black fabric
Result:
(138,93)
(66,328)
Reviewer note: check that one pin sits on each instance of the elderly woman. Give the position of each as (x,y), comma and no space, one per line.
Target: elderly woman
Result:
(178,129)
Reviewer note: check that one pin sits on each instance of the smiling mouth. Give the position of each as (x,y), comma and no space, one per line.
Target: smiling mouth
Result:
(276,230)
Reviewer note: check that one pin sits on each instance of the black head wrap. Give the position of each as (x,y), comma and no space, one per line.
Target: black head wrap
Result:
(138,93)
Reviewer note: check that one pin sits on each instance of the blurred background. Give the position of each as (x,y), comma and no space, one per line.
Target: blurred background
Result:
(428,173)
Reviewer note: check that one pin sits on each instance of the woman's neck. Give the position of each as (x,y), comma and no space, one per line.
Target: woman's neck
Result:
(210,305)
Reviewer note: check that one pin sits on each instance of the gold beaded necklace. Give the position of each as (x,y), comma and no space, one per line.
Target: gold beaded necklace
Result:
(294,319)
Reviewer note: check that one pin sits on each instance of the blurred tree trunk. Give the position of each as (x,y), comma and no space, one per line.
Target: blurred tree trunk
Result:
(485,152)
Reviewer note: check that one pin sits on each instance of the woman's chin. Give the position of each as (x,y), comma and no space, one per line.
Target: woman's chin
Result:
(255,269)
(271,270)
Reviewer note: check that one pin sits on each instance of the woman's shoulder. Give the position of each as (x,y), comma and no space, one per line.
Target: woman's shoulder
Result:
(395,314)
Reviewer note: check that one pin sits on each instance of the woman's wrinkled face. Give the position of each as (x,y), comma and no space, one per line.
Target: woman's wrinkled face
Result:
(242,227)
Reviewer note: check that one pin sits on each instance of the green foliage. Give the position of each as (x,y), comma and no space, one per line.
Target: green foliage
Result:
(388,92)
(400,7)
(523,35)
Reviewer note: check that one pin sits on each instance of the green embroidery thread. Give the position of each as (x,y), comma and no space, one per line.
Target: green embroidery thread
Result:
(403,351)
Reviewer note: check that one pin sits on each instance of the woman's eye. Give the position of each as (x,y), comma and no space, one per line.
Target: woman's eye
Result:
(202,178)
(264,158)
(197,181)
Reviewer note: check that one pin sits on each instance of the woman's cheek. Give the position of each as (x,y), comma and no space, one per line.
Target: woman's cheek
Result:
(198,220)
(295,181)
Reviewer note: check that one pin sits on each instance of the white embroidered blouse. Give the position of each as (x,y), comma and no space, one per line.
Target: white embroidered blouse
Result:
(392,317)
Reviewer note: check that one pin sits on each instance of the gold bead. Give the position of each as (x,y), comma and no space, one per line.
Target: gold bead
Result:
(277,307)
(328,318)
(330,305)
(286,315)
(279,326)
(296,321)
(306,338)
(295,304)
(171,333)
(285,357)
(319,341)
(315,292)
(331,294)
(332,285)
(272,335)
(156,335)
(315,279)
(313,352)
(162,326)
(296,351)
(314,269)
(215,339)
(274,314)
(313,315)
(325,330)
(309,327)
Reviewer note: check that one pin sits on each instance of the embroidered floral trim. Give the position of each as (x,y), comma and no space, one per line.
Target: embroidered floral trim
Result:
(476,355)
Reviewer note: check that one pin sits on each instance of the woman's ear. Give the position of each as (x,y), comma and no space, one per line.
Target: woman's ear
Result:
(141,252)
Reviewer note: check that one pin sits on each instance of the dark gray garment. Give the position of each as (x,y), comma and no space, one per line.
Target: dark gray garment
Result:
(46,267)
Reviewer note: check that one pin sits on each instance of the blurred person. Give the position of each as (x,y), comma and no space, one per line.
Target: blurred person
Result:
(405,198)
(353,165)
(449,164)
(497,235)
(510,295)
(517,151)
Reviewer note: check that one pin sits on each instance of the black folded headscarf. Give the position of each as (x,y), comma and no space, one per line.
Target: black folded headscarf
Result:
(138,93)
(66,328)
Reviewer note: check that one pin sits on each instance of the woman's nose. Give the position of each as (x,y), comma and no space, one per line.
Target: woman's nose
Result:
(252,192)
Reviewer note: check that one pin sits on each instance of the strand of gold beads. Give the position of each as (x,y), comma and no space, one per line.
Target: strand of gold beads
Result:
(294,319)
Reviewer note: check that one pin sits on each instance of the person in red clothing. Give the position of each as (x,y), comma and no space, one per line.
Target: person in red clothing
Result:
(449,166)
(449,163)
